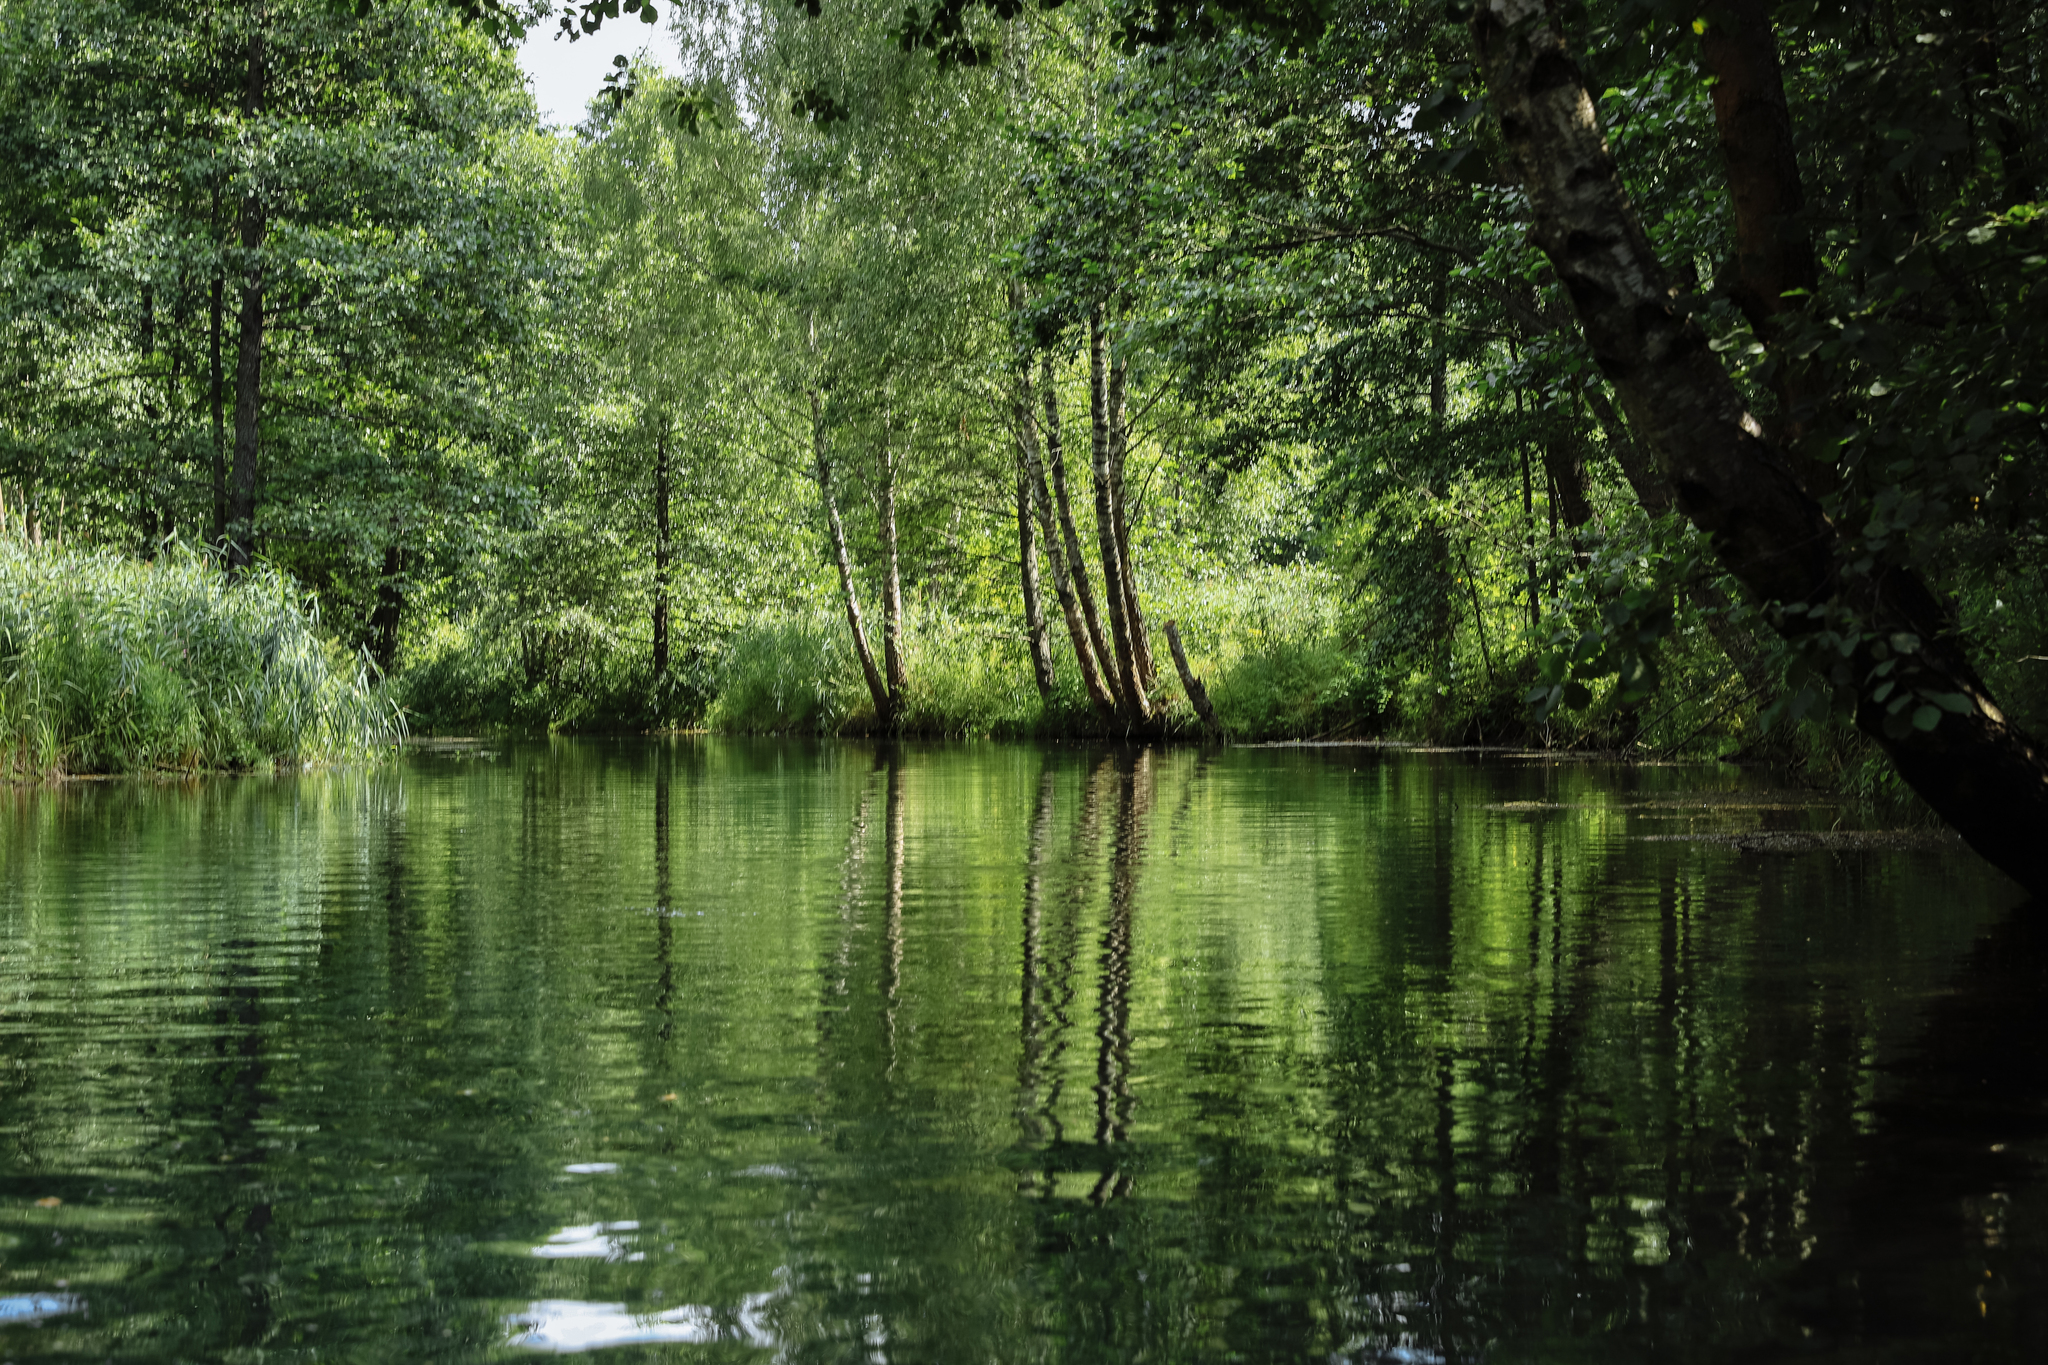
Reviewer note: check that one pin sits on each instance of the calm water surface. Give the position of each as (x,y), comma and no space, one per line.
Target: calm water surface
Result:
(725,1050)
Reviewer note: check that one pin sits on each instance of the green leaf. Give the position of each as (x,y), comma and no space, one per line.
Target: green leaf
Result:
(1926,718)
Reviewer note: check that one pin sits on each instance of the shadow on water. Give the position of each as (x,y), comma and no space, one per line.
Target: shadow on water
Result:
(1939,1249)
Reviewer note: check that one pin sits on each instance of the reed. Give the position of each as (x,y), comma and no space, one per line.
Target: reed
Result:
(793,674)
(110,665)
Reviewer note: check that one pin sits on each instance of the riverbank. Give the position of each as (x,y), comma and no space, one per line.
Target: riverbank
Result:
(1277,662)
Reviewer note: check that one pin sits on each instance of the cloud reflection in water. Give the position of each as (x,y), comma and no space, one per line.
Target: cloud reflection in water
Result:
(16,1308)
(563,1326)
(587,1241)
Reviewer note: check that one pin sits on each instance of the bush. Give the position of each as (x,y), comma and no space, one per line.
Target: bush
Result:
(567,671)
(109,664)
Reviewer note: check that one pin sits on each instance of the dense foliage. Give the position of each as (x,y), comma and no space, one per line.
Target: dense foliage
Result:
(833,386)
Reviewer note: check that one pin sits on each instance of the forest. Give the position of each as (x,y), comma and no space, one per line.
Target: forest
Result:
(1618,375)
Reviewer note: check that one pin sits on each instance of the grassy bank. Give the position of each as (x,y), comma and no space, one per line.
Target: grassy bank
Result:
(1271,647)
(113,665)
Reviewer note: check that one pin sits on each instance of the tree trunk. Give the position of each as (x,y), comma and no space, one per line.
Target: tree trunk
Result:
(661,550)
(1436,545)
(2011,136)
(388,614)
(892,577)
(1567,471)
(1119,448)
(1097,653)
(1642,474)
(885,711)
(1529,523)
(1035,635)
(1131,691)
(1773,252)
(1198,695)
(255,224)
(1975,768)
(215,309)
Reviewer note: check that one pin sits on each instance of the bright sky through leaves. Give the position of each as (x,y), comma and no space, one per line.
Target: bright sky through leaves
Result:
(566,76)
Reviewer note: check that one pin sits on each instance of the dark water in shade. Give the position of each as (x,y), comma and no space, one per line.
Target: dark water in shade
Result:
(719,1050)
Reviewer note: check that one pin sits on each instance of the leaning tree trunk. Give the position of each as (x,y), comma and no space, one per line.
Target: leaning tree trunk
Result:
(1097,658)
(1036,636)
(1979,771)
(1130,686)
(1653,495)
(821,468)
(1056,560)
(1119,448)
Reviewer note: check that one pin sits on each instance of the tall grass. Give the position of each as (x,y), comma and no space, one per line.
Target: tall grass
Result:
(1274,649)
(790,675)
(109,664)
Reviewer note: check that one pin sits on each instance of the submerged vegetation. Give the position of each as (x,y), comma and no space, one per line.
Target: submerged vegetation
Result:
(110,665)
(873,372)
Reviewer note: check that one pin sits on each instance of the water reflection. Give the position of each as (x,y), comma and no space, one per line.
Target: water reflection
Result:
(26,1308)
(568,1326)
(591,1241)
(1932,1229)
(1009,1054)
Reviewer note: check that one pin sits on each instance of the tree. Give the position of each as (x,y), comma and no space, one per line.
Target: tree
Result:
(1903,660)
(265,261)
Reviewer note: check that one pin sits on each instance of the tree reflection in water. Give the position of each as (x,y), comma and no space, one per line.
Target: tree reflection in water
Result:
(913,1052)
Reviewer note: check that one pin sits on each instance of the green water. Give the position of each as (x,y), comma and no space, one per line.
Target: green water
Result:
(750,1050)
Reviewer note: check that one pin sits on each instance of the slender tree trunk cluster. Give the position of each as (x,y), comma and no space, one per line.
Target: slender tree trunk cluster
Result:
(892,577)
(1735,482)
(1116,590)
(1104,617)
(1055,524)
(1107,630)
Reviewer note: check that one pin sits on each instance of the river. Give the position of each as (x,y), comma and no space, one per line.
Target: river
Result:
(718,1049)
